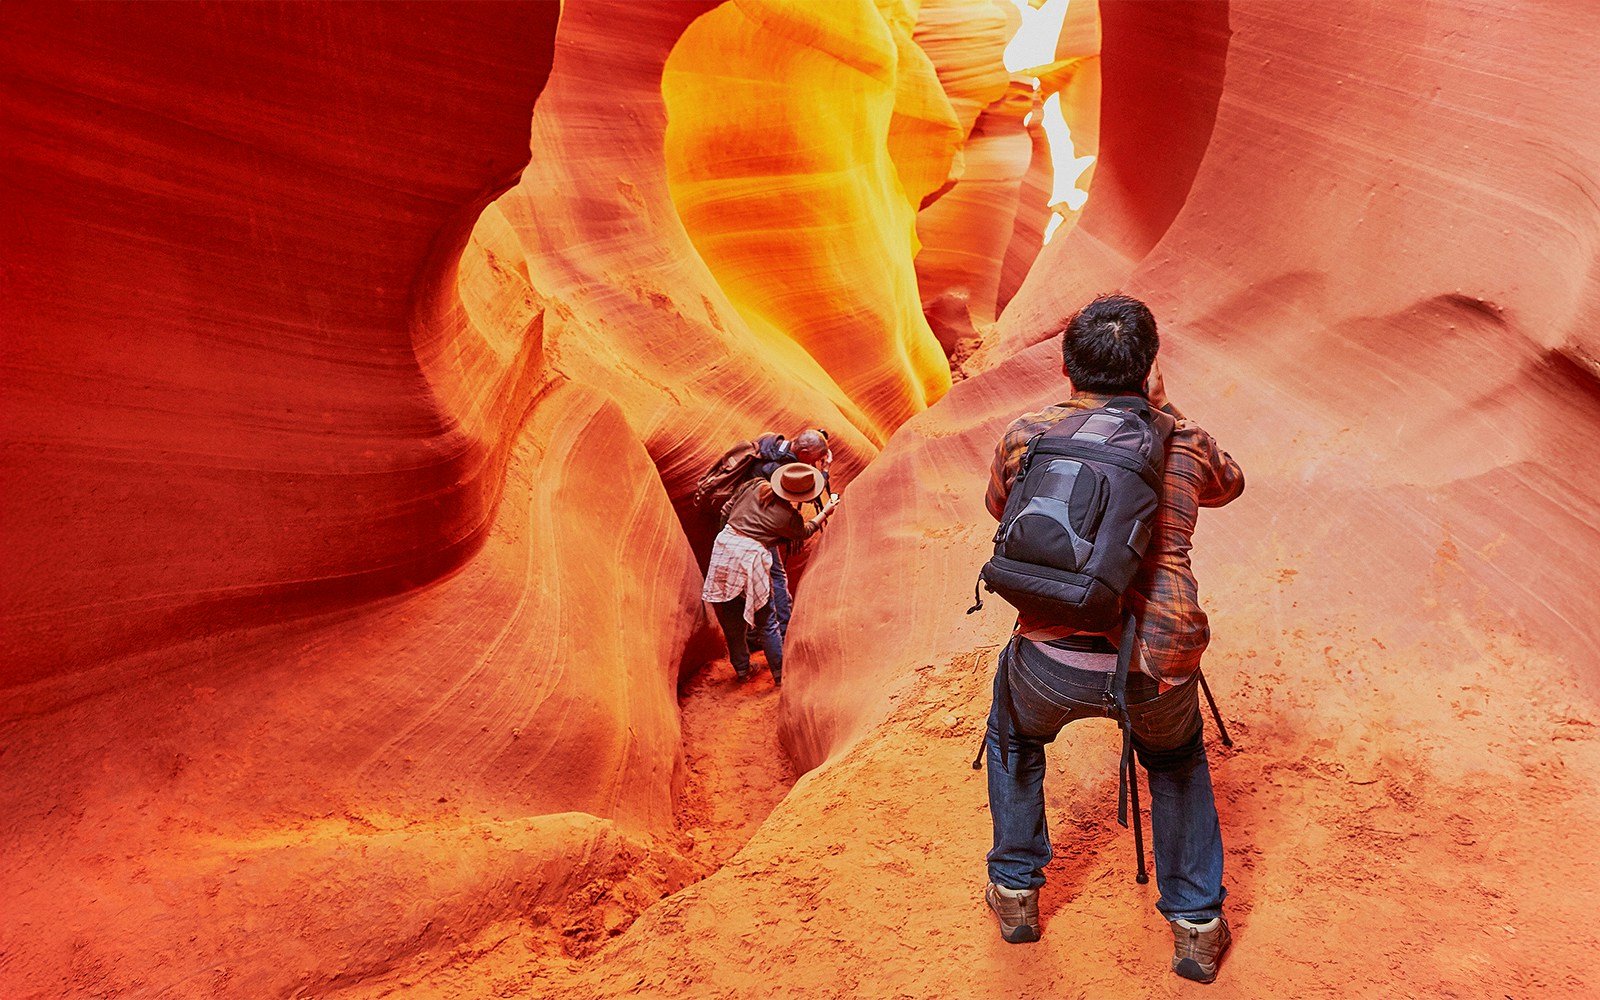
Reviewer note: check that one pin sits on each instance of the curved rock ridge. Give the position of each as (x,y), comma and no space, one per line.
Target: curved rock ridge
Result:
(346,581)
(509,358)
(248,393)
(1369,246)
(1158,101)
(801,139)
(588,247)
(213,411)
(1069,86)
(1484,386)
(317,801)
(980,239)
(963,235)
(1033,214)
(965,40)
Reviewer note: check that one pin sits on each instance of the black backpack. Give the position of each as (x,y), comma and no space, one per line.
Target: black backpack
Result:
(1080,516)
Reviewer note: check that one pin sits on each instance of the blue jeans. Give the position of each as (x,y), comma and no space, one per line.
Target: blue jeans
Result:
(730,615)
(1187,838)
(781,607)
(782,603)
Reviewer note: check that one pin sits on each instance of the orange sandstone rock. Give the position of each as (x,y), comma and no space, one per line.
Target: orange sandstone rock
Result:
(965,40)
(1370,245)
(1158,98)
(1249,293)
(979,242)
(963,234)
(1032,218)
(250,392)
(590,241)
(315,801)
(1370,253)
(800,141)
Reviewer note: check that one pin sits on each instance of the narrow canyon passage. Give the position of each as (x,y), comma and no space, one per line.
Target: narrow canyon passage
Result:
(735,774)
(360,363)
(737,771)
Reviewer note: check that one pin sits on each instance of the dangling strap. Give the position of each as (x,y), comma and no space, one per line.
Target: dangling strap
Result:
(1128,778)
(977,598)
(1221,729)
(1008,713)
(1140,875)
(1116,697)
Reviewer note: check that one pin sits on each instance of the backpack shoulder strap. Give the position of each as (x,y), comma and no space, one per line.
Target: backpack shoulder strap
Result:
(1128,777)
(1159,420)
(1027,453)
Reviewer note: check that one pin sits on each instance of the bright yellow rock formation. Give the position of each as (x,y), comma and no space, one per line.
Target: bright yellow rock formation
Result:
(801,139)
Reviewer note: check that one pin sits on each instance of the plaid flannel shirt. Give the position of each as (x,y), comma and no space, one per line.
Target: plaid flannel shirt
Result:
(740,567)
(1173,628)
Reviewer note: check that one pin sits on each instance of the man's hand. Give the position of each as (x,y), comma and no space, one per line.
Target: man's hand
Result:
(823,514)
(1155,387)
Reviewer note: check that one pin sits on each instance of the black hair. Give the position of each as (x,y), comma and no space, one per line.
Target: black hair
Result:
(1109,345)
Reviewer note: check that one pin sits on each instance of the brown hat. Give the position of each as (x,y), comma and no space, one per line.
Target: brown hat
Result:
(798,482)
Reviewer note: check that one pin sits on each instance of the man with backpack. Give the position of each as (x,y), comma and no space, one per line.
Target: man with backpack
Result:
(763,514)
(810,447)
(1097,499)
(756,461)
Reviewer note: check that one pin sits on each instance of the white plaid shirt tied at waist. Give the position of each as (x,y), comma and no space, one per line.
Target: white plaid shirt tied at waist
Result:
(740,567)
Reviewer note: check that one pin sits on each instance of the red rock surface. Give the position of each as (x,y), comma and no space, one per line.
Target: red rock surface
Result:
(216,225)
(1404,633)
(247,391)
(242,399)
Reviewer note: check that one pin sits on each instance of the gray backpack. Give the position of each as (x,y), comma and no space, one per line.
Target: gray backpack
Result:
(1071,540)
(1080,516)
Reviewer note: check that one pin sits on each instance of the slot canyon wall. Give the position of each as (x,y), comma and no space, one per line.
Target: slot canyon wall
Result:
(350,426)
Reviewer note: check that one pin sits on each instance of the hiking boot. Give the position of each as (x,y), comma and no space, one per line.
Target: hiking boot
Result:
(1197,948)
(1018,911)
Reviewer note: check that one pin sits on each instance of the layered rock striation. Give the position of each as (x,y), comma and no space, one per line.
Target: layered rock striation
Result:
(1366,235)
(217,230)
(801,139)
(350,563)
(250,393)
(350,427)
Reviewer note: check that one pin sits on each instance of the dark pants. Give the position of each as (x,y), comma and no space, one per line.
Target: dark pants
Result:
(730,615)
(1186,835)
(782,603)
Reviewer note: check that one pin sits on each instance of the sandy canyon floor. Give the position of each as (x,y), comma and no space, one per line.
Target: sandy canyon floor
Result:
(1437,852)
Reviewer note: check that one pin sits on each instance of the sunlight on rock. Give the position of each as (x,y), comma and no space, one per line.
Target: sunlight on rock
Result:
(1059,57)
(809,135)
(362,360)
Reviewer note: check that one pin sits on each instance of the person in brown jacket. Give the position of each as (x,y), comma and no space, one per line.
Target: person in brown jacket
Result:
(739,579)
